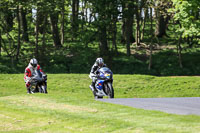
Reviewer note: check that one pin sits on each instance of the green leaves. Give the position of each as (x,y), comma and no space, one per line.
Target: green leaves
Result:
(186,13)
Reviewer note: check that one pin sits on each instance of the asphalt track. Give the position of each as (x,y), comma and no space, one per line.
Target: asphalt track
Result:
(181,106)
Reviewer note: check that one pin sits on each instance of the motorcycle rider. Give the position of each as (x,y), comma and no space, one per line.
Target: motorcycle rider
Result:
(30,72)
(99,63)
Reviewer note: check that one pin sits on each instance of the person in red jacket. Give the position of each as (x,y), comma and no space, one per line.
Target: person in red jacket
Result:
(30,72)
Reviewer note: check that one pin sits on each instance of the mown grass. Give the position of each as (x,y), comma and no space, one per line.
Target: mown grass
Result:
(70,107)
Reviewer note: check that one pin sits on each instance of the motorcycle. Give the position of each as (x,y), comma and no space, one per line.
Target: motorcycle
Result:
(38,82)
(103,83)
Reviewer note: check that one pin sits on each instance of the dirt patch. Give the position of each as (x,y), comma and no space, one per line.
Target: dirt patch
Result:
(142,52)
(37,102)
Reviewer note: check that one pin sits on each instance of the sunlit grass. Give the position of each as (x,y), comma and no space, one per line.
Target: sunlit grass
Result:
(70,107)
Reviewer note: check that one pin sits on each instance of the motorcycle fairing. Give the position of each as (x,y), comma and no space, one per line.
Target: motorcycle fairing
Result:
(99,84)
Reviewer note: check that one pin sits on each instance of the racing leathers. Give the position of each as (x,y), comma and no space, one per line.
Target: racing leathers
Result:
(29,73)
(93,74)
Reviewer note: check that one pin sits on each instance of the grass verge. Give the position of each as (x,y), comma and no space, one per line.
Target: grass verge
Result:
(70,107)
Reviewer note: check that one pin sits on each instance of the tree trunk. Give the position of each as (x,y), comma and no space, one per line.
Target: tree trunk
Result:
(179,52)
(161,24)
(114,35)
(144,22)
(128,19)
(44,31)
(113,28)
(54,27)
(150,56)
(36,33)
(82,15)
(9,17)
(24,24)
(132,39)
(63,23)
(123,28)
(151,15)
(19,33)
(127,35)
(160,28)
(86,10)
(128,51)
(123,36)
(75,10)
(151,49)
(137,38)
(0,42)
(128,13)
(103,45)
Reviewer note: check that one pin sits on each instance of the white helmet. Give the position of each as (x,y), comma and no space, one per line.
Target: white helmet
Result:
(33,62)
(100,62)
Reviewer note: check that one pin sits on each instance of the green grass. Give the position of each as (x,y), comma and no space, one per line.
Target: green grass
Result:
(70,106)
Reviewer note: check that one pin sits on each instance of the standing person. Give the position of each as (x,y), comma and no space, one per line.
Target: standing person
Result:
(30,71)
(99,63)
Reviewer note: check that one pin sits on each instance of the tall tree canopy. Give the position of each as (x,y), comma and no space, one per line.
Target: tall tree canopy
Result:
(49,28)
(186,13)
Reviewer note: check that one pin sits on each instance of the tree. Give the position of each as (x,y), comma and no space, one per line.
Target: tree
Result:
(127,19)
(101,10)
(137,36)
(75,24)
(114,27)
(54,24)
(185,13)
(162,17)
(128,24)
(0,42)
(10,10)
(19,32)
(62,22)
(23,23)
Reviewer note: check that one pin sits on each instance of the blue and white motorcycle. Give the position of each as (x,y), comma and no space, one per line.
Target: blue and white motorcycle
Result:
(103,83)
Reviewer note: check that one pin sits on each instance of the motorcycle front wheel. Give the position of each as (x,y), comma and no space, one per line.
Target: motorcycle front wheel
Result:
(43,89)
(110,90)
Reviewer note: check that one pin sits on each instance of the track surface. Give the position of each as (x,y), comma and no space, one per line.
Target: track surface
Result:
(182,106)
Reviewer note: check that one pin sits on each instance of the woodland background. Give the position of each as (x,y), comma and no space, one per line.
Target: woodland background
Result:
(157,37)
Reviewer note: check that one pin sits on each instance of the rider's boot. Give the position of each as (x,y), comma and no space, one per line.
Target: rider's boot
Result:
(92,87)
(29,91)
(28,87)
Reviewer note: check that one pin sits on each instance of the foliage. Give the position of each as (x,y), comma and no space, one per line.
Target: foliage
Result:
(78,59)
(99,28)
(186,12)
